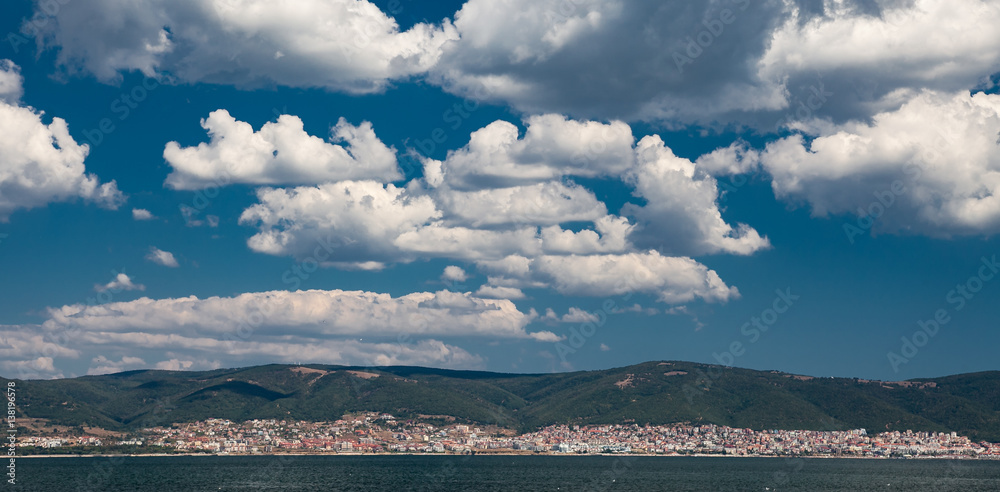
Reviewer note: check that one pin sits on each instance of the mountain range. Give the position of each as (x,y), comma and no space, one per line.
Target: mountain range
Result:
(652,392)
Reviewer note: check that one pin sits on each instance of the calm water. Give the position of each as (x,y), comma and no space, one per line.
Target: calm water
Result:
(494,473)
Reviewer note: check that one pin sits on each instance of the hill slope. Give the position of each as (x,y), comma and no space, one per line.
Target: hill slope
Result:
(652,392)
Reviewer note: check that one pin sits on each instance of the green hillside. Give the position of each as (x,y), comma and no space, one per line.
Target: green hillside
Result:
(653,392)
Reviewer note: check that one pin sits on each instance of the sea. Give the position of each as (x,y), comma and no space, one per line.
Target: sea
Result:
(499,473)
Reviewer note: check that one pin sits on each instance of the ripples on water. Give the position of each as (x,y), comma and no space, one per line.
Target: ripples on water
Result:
(500,473)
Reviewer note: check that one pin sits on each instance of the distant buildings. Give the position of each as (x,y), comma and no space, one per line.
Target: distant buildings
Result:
(383,433)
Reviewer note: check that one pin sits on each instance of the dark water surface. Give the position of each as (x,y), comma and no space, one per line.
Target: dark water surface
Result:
(495,473)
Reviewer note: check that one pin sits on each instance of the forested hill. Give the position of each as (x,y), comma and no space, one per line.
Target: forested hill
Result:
(652,392)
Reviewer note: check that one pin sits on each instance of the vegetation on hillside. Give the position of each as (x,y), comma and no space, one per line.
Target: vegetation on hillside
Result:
(653,393)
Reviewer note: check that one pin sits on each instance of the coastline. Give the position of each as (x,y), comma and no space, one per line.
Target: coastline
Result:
(631,455)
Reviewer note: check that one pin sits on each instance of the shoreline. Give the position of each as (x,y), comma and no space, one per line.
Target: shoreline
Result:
(631,455)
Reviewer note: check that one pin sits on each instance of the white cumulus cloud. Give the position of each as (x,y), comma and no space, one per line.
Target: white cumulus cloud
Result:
(716,63)
(682,213)
(552,146)
(495,211)
(315,313)
(344,45)
(499,292)
(120,283)
(142,214)
(863,52)
(671,280)
(26,352)
(346,222)
(103,365)
(11,82)
(160,257)
(41,163)
(599,59)
(279,153)
(930,167)
(454,273)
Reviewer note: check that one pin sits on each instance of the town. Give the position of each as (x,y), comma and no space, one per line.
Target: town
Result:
(383,433)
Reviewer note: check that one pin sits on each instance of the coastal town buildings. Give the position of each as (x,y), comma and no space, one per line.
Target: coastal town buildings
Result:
(384,433)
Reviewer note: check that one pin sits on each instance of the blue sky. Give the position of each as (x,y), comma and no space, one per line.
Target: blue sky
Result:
(602,186)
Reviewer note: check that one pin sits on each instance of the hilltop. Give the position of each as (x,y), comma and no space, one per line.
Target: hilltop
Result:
(652,392)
